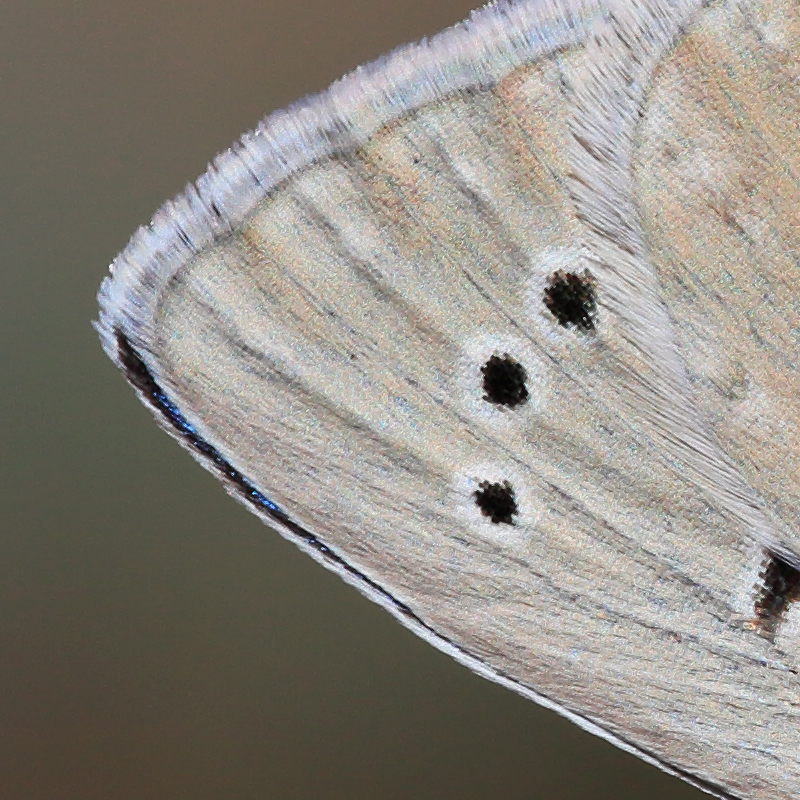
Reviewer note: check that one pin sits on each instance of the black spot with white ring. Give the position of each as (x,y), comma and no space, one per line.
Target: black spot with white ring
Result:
(497,501)
(572,299)
(504,381)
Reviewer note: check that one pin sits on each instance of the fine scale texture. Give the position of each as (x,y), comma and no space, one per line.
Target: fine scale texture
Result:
(502,328)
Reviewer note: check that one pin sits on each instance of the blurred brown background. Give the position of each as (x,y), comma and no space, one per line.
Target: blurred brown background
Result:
(156,640)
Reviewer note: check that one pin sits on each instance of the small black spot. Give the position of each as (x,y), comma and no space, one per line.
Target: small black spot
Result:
(571,299)
(497,501)
(504,381)
(779,588)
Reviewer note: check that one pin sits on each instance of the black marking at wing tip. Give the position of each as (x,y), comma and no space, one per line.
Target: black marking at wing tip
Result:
(779,587)
(140,377)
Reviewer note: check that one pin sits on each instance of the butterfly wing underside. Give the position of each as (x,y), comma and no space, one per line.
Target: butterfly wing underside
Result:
(370,344)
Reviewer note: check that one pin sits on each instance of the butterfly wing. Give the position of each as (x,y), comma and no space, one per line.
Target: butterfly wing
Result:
(411,326)
(716,172)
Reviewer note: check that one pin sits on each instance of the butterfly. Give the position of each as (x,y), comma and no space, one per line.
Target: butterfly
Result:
(502,328)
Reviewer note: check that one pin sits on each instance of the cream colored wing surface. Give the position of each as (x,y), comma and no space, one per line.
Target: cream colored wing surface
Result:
(415,324)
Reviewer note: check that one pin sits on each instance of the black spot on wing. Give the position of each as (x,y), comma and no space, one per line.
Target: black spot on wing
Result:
(779,587)
(504,381)
(497,501)
(572,299)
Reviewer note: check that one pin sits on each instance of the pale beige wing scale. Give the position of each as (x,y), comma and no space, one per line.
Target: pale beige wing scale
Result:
(717,177)
(316,320)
